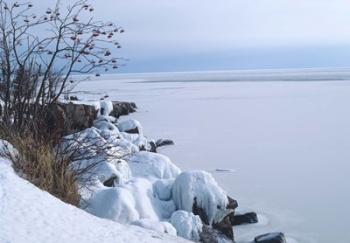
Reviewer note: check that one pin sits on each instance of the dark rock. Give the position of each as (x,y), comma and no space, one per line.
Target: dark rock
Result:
(225,227)
(209,235)
(133,131)
(111,182)
(196,210)
(69,118)
(247,218)
(164,142)
(152,146)
(73,98)
(122,108)
(271,238)
(232,203)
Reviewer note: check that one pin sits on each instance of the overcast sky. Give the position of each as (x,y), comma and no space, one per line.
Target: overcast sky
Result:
(175,35)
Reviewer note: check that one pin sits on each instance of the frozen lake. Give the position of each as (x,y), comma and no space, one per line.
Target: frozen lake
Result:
(282,136)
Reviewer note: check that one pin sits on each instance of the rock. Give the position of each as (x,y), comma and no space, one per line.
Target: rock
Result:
(209,235)
(200,212)
(130,126)
(122,108)
(73,97)
(232,203)
(247,218)
(164,142)
(271,238)
(225,227)
(152,146)
(111,182)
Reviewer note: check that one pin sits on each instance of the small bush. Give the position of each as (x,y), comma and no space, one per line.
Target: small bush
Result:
(38,162)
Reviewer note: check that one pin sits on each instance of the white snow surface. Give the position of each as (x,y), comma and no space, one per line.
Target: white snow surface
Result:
(187,225)
(201,187)
(29,215)
(164,227)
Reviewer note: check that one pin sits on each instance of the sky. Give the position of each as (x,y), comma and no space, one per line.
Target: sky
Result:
(186,35)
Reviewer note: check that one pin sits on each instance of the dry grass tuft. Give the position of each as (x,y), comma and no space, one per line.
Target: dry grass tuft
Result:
(38,163)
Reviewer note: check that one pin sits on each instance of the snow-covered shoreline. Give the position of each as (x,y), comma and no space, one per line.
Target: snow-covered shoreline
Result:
(129,183)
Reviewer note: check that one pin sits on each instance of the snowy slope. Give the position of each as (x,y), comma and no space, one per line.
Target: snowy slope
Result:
(28,214)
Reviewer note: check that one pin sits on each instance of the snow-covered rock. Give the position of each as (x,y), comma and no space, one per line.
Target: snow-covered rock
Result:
(130,126)
(29,214)
(106,107)
(137,139)
(129,202)
(152,165)
(187,225)
(105,125)
(117,204)
(200,188)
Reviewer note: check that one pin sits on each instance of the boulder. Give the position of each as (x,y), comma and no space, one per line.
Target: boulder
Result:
(247,218)
(271,238)
(122,108)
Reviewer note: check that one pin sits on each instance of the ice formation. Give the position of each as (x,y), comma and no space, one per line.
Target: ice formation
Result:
(200,187)
(187,225)
(152,165)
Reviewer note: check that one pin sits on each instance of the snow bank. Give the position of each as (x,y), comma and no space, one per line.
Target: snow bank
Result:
(163,227)
(201,187)
(152,165)
(187,225)
(31,215)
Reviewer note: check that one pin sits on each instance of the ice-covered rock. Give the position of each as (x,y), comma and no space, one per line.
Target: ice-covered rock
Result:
(117,204)
(162,189)
(159,226)
(198,189)
(106,107)
(130,126)
(187,225)
(104,125)
(106,118)
(129,202)
(147,164)
(137,139)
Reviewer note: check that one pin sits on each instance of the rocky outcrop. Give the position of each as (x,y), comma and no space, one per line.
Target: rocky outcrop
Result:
(72,117)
